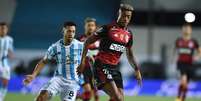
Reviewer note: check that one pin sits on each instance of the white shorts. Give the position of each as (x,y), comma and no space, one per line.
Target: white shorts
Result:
(66,89)
(5,73)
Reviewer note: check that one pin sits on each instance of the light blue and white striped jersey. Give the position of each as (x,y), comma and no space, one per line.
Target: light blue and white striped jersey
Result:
(6,45)
(67,58)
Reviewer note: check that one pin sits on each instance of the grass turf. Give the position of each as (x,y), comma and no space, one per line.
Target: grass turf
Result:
(23,97)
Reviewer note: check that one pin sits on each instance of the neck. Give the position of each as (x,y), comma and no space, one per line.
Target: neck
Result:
(119,25)
(187,37)
(67,42)
(88,34)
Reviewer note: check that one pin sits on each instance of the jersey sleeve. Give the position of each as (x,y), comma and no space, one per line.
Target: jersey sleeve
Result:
(130,42)
(51,53)
(176,43)
(11,47)
(101,32)
(196,44)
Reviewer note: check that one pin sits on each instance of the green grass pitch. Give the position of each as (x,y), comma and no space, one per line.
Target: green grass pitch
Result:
(23,97)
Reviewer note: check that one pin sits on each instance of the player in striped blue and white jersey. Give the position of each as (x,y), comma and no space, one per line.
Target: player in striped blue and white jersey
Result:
(67,54)
(6,52)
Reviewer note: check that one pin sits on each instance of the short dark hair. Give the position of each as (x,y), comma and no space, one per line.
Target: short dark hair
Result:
(3,24)
(126,7)
(88,19)
(69,23)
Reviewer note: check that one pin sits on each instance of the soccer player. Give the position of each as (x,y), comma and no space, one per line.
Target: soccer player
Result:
(67,54)
(89,89)
(185,47)
(115,39)
(6,51)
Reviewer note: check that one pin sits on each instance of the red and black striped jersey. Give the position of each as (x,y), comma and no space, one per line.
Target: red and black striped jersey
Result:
(113,42)
(185,49)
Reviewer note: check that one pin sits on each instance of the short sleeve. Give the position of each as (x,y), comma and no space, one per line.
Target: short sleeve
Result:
(130,42)
(11,47)
(51,53)
(196,44)
(101,32)
(176,43)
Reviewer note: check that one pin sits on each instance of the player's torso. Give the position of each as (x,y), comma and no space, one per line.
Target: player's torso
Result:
(4,47)
(113,45)
(185,49)
(68,58)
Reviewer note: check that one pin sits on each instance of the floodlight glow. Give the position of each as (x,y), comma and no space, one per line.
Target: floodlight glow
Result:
(189,17)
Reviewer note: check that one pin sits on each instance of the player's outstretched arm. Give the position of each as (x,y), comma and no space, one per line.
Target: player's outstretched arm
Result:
(133,63)
(89,41)
(28,79)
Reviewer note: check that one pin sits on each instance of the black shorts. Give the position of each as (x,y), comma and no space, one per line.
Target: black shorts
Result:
(106,73)
(88,76)
(185,69)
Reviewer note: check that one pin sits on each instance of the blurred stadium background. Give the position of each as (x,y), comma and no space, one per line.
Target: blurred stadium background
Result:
(36,24)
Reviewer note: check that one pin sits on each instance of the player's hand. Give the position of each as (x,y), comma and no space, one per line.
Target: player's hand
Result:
(80,68)
(138,77)
(28,79)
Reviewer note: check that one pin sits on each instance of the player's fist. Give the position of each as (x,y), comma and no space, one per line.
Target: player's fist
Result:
(80,68)
(138,77)
(28,79)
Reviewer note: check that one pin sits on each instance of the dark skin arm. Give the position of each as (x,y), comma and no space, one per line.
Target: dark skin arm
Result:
(89,41)
(133,63)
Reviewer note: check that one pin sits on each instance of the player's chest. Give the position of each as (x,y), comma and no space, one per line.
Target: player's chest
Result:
(186,47)
(68,54)
(186,44)
(4,44)
(119,35)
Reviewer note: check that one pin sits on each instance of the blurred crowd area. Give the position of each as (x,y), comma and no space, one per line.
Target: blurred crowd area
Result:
(156,24)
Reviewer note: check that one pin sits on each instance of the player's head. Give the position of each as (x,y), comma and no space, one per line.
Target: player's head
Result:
(124,15)
(90,26)
(186,29)
(3,28)
(69,29)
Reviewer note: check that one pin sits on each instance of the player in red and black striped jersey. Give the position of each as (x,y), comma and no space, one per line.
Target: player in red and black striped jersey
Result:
(114,39)
(89,88)
(185,47)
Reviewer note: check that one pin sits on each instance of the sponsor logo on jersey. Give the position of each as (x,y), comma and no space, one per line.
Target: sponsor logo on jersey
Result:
(184,51)
(117,47)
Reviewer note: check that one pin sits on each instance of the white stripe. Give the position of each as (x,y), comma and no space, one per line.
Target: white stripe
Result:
(59,68)
(77,56)
(68,75)
(1,51)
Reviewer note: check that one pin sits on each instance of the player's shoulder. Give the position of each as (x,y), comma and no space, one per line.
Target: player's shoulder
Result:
(75,41)
(56,43)
(9,37)
(178,39)
(82,38)
(194,40)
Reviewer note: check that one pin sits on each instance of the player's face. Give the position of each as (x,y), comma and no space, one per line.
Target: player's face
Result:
(90,27)
(69,32)
(3,30)
(124,18)
(187,30)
